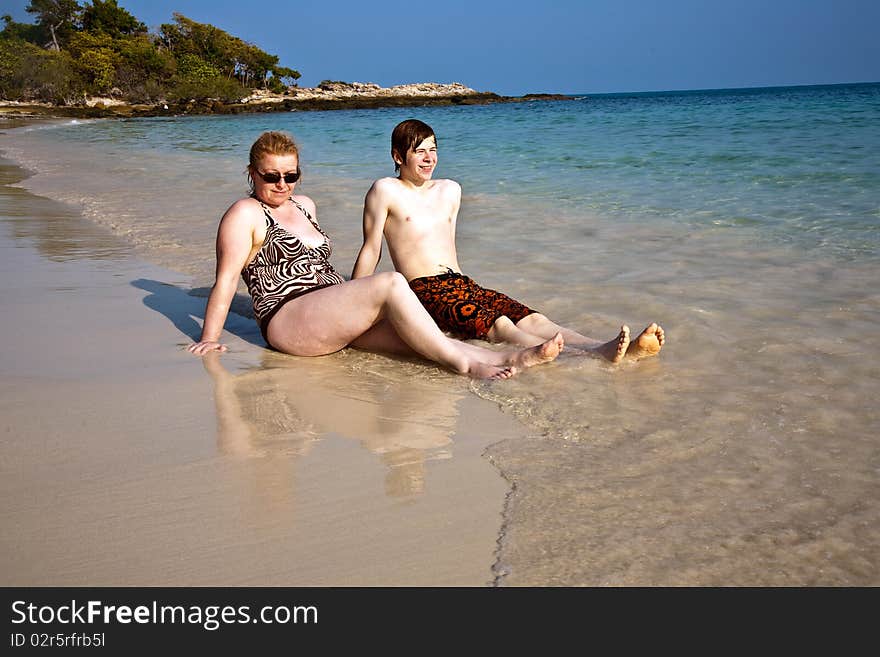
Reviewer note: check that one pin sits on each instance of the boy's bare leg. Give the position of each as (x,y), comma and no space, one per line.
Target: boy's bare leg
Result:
(504,330)
(613,350)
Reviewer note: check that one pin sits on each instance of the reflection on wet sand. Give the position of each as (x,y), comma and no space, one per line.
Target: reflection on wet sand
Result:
(287,404)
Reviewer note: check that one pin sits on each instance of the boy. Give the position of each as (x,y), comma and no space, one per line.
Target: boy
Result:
(417,215)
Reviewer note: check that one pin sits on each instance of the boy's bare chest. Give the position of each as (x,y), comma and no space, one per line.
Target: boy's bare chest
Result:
(420,225)
(422,213)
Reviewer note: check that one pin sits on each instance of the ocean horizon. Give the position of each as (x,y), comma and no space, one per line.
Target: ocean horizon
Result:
(728,90)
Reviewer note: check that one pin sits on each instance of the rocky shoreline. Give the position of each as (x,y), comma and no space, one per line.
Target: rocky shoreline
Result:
(329,95)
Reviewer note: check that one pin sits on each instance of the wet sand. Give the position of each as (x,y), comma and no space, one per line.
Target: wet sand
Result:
(127,461)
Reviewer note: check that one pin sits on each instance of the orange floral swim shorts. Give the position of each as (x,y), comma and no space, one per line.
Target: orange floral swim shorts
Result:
(462,307)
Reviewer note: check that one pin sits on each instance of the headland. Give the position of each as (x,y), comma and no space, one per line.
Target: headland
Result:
(329,95)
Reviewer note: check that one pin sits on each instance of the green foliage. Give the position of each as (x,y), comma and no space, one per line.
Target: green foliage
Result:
(276,86)
(287,76)
(98,46)
(57,79)
(143,91)
(198,79)
(106,17)
(140,52)
(59,17)
(30,73)
(230,55)
(192,68)
(11,84)
(54,11)
(23,31)
(143,71)
(98,68)
(219,88)
(96,59)
(82,41)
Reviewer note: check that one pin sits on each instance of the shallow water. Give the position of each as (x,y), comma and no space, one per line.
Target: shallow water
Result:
(746,223)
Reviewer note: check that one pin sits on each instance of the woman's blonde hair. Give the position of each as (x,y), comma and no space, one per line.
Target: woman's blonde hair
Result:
(272,142)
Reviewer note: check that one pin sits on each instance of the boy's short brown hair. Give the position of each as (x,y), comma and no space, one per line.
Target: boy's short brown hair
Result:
(406,135)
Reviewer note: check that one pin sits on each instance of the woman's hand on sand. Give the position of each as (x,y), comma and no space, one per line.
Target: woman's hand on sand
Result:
(206,346)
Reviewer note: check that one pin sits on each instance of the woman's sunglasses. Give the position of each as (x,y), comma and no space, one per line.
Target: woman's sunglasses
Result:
(291,177)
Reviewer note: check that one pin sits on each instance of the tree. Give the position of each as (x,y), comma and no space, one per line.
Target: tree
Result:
(107,17)
(143,70)
(57,16)
(231,56)
(205,41)
(96,59)
(24,31)
(250,64)
(29,72)
(78,48)
(287,76)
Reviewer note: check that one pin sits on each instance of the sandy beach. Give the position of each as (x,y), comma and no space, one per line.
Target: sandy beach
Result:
(127,461)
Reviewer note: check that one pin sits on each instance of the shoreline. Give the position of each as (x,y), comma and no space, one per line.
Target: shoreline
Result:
(146,466)
(329,96)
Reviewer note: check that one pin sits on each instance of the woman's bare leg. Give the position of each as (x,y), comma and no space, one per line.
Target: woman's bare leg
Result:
(329,319)
(383,338)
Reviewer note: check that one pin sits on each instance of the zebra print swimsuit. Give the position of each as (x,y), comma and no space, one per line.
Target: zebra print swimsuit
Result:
(285,268)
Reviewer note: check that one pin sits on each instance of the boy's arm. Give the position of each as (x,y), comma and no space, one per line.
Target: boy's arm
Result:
(456,203)
(375,214)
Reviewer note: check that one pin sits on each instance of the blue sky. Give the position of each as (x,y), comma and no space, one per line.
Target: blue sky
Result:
(565,46)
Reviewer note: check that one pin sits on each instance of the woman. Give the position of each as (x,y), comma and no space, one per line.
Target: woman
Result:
(304,307)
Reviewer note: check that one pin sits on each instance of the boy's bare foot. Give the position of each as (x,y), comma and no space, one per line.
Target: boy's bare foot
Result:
(648,343)
(543,353)
(615,349)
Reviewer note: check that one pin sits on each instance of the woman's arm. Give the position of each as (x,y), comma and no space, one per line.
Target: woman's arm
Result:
(235,241)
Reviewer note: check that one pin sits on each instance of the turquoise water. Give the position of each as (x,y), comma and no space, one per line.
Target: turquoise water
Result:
(746,222)
(803,163)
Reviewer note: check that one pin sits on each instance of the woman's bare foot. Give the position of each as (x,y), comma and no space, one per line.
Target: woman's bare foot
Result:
(492,372)
(648,343)
(543,353)
(615,349)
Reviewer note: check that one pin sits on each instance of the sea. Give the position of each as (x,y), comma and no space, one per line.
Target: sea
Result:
(745,221)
